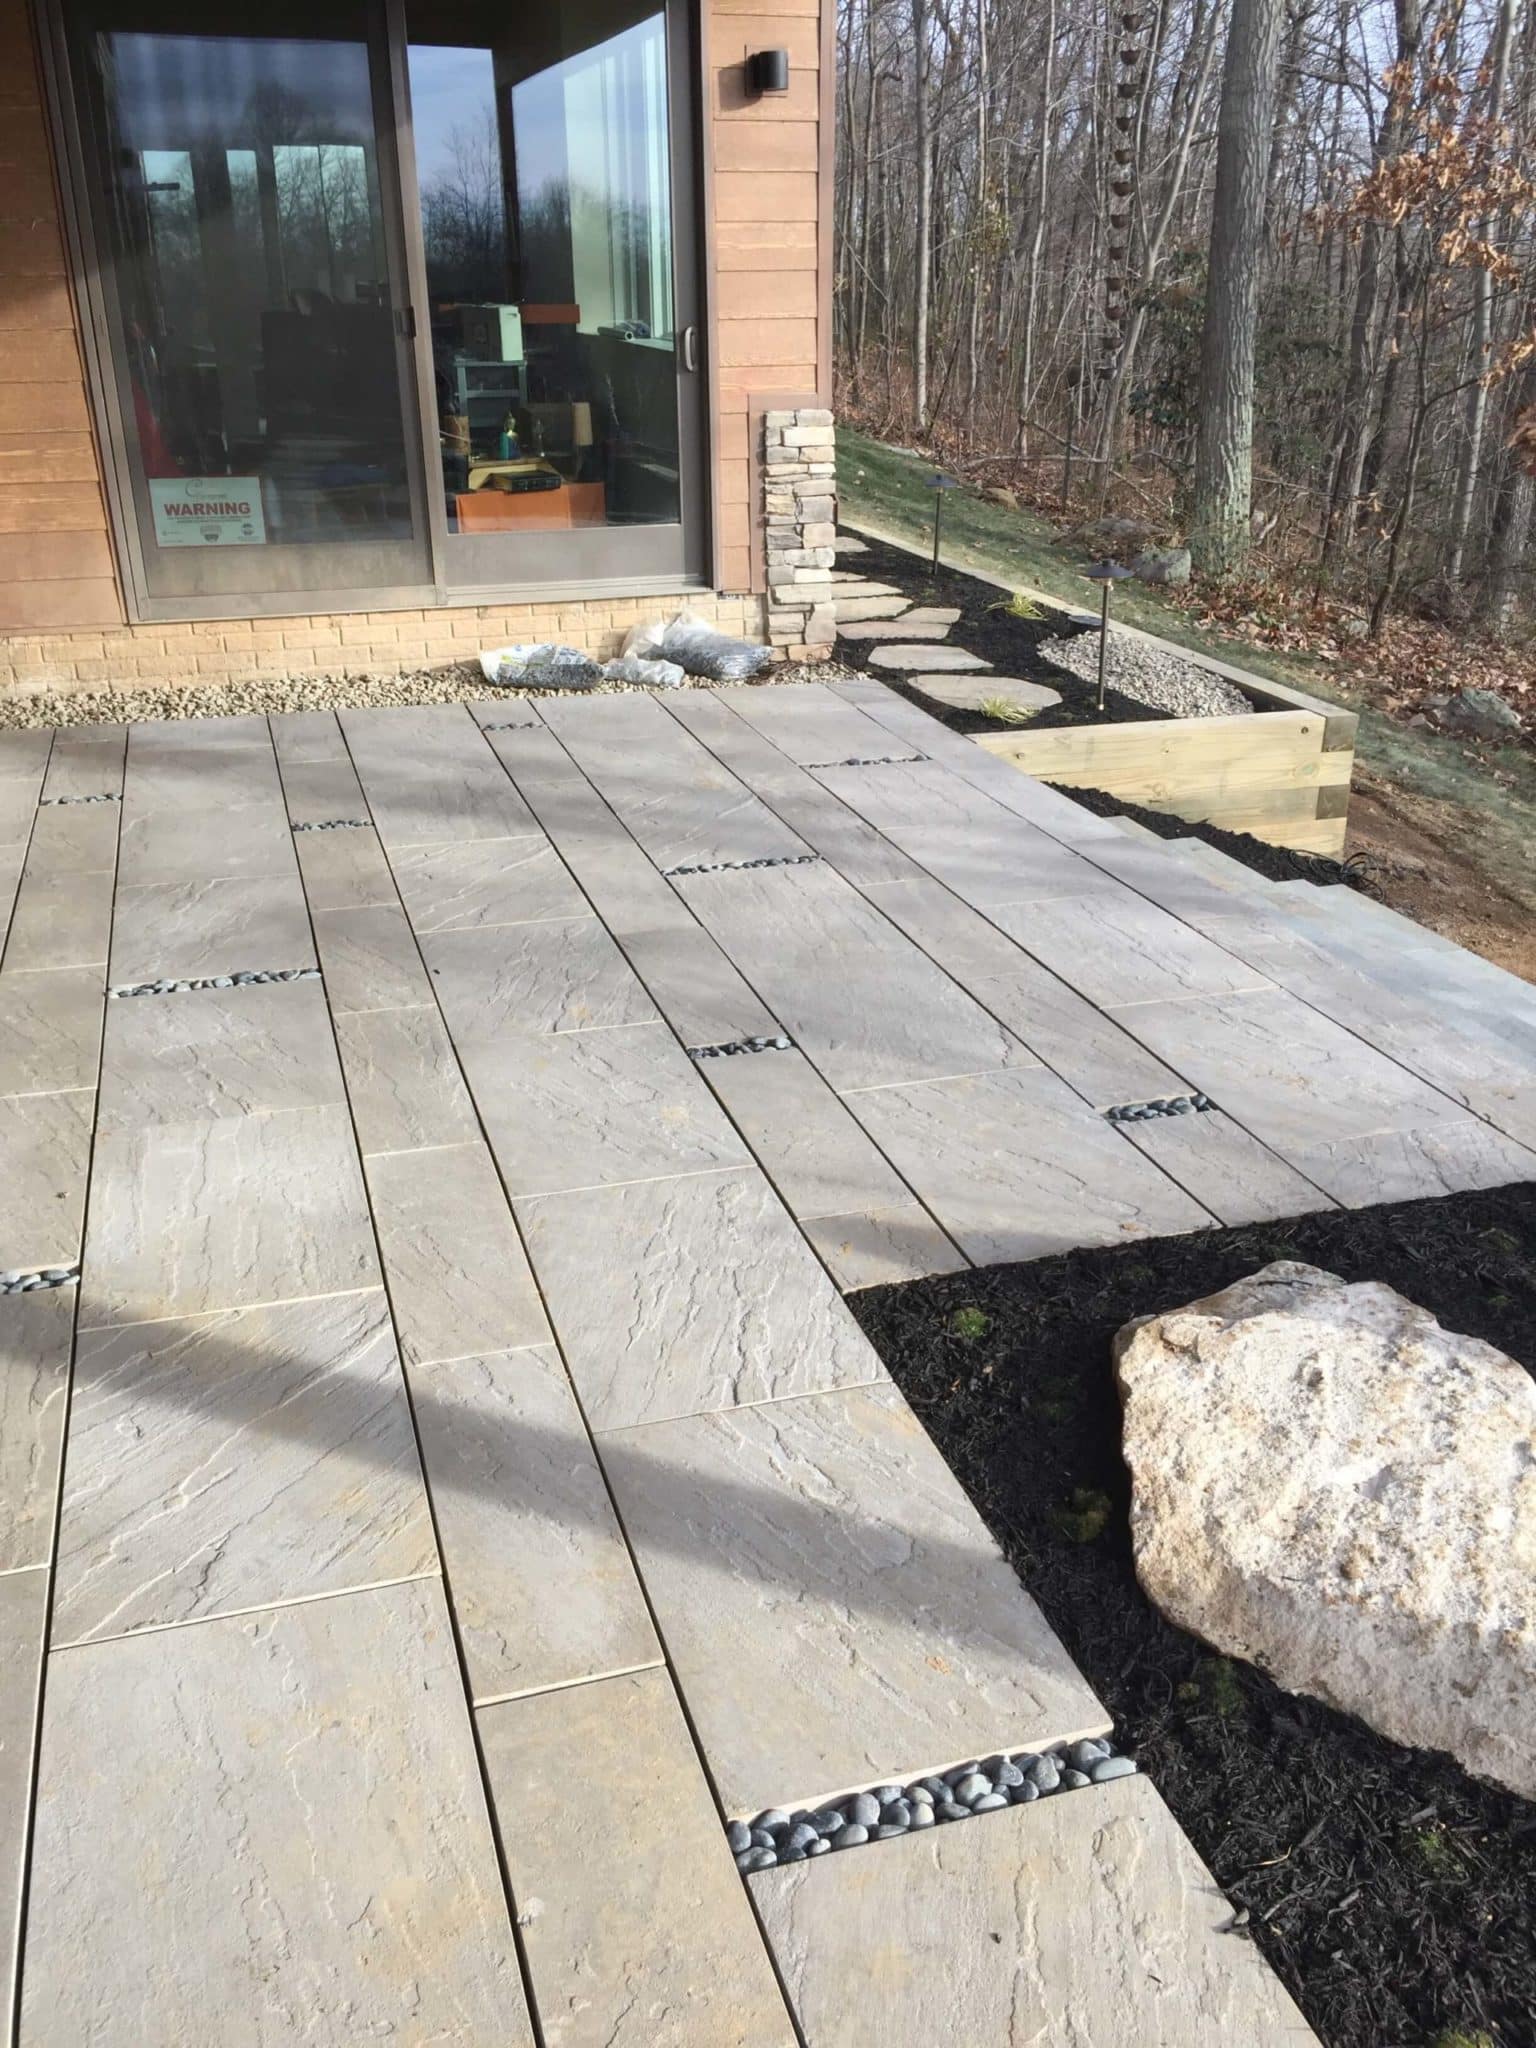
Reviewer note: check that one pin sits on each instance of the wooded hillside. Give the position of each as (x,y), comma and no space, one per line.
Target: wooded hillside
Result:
(1026,200)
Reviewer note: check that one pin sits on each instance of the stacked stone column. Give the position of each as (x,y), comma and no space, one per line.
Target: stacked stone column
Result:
(800,511)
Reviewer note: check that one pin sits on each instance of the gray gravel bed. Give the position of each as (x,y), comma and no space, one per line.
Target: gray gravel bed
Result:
(1157,676)
(458,683)
(885,1811)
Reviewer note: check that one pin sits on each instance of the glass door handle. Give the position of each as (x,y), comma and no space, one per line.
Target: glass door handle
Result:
(690,348)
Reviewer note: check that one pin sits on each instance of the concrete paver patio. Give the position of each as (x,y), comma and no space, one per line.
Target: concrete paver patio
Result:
(455,1485)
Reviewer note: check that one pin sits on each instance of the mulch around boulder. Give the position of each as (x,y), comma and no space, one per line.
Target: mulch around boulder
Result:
(1395,1895)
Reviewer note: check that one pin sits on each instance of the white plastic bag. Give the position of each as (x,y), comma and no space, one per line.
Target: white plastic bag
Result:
(634,668)
(540,665)
(698,648)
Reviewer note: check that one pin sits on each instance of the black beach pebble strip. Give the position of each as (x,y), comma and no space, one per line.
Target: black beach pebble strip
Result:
(721,867)
(886,1811)
(734,1045)
(334,825)
(1163,1105)
(246,979)
(108,796)
(29,1279)
(869,761)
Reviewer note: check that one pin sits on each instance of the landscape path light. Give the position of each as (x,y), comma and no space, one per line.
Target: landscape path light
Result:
(939,483)
(1106,575)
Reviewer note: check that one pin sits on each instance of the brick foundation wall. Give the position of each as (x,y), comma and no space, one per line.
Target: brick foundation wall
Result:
(240,650)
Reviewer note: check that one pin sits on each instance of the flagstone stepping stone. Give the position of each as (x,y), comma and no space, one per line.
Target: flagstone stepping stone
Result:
(1104,1926)
(848,583)
(891,629)
(935,615)
(850,544)
(855,608)
(969,693)
(909,659)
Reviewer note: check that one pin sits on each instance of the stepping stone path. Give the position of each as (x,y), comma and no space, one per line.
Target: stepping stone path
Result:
(969,693)
(909,626)
(910,659)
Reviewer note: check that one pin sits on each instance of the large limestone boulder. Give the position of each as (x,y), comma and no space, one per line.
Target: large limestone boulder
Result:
(1328,1484)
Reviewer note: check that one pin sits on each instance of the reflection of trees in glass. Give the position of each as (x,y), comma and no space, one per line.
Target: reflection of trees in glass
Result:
(463,219)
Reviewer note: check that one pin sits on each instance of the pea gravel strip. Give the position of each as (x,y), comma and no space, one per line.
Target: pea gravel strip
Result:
(27,1279)
(1162,1105)
(880,1815)
(246,979)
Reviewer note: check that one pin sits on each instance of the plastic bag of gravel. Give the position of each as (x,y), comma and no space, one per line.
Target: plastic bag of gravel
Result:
(540,666)
(698,649)
(633,668)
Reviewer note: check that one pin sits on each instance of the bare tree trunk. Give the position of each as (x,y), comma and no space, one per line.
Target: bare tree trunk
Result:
(1482,318)
(922,281)
(1224,445)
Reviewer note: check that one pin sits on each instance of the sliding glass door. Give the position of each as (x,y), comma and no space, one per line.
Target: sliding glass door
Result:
(251,293)
(551,165)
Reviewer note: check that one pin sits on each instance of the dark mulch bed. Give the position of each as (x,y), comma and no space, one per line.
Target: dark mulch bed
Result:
(986,629)
(1276,863)
(1395,1895)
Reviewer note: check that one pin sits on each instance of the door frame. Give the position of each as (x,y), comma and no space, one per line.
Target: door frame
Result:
(601,547)
(93,322)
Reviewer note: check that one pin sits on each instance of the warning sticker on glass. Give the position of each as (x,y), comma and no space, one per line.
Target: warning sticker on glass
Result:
(207,511)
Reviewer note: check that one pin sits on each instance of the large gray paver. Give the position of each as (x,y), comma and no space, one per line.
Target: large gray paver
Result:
(224,1213)
(429,777)
(808,723)
(370,960)
(1086,1922)
(565,974)
(403,1081)
(1410,1166)
(205,845)
(214,1860)
(985,853)
(644,1937)
(60,920)
(880,1247)
(1115,948)
(697,989)
(224,1462)
(886,1014)
(814,1150)
(458,1281)
(18,802)
(11,858)
(1103,1062)
(580,1109)
(672,1296)
(678,801)
(1015,1166)
(542,1585)
(86,760)
(835,1611)
(179,930)
(1285,1071)
(45,1143)
(318,791)
(73,839)
(50,1030)
(301,736)
(217,1052)
(1226,1168)
(485,881)
(169,777)
(35,1334)
(853,847)
(23,1620)
(344,870)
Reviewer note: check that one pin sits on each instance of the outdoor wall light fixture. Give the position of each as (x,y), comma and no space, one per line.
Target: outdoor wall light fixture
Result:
(768,71)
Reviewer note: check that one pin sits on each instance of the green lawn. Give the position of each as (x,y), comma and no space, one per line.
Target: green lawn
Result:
(887,490)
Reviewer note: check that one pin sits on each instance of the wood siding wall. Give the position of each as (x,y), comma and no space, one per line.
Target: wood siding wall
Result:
(769,212)
(56,566)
